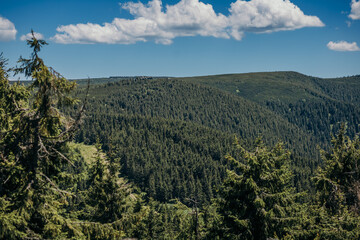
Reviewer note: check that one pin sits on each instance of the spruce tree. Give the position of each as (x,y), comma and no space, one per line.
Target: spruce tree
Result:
(336,212)
(338,182)
(258,200)
(33,143)
(107,193)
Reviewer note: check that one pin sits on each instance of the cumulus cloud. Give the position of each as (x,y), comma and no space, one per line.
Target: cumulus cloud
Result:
(153,22)
(186,18)
(29,36)
(343,46)
(7,30)
(265,16)
(355,10)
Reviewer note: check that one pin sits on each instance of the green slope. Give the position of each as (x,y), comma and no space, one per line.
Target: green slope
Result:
(287,87)
(345,89)
(114,109)
(160,127)
(313,104)
(179,100)
(166,158)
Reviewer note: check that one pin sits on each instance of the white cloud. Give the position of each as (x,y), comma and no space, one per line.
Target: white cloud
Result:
(153,22)
(29,36)
(355,10)
(265,16)
(7,30)
(343,46)
(186,18)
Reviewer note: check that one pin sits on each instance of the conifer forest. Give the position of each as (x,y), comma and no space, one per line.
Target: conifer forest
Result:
(271,155)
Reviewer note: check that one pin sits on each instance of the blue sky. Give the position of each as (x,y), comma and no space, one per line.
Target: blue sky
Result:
(188,37)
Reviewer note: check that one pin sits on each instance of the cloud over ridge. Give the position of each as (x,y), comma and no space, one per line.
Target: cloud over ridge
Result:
(343,46)
(7,30)
(162,24)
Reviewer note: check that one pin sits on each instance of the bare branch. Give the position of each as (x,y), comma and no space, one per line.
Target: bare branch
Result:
(42,146)
(63,156)
(29,185)
(62,192)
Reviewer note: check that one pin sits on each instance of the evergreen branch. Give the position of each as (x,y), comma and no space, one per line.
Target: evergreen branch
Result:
(63,156)
(72,129)
(56,187)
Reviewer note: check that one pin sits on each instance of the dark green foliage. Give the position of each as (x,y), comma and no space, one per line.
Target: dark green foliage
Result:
(166,158)
(180,100)
(319,117)
(338,183)
(169,137)
(11,97)
(47,190)
(344,89)
(257,199)
(313,104)
(30,66)
(108,195)
(285,87)
(315,222)
(335,213)
(106,206)
(33,148)
(301,114)
(302,109)
(174,220)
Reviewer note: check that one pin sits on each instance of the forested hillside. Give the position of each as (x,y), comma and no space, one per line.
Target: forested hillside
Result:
(287,87)
(313,104)
(280,106)
(177,158)
(168,159)
(171,99)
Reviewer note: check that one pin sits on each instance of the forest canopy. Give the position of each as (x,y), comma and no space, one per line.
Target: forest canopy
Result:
(157,159)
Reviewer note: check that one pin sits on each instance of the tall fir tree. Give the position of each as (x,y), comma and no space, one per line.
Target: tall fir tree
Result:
(336,214)
(34,134)
(258,200)
(338,182)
